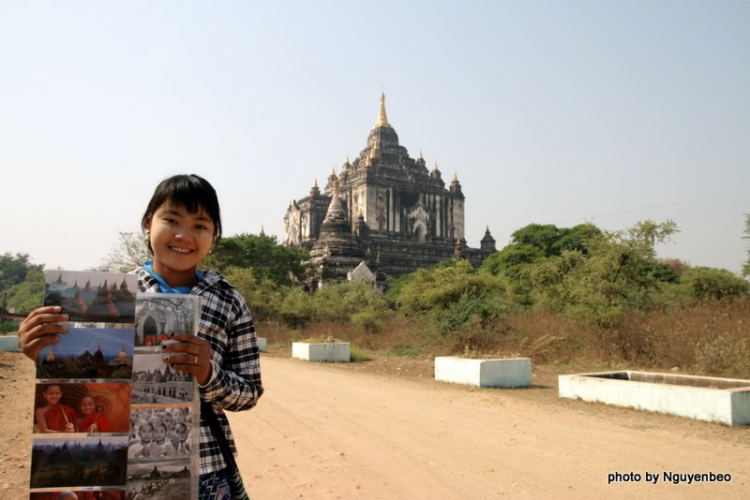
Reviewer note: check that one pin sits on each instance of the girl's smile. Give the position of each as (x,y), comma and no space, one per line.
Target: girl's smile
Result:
(87,406)
(52,395)
(179,239)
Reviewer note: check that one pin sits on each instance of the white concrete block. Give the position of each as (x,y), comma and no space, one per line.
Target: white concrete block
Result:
(9,343)
(330,352)
(262,344)
(702,398)
(511,372)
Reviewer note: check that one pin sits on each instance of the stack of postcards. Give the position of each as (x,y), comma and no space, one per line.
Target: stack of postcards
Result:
(112,421)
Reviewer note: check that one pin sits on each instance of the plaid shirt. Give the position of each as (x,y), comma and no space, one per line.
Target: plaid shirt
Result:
(235,383)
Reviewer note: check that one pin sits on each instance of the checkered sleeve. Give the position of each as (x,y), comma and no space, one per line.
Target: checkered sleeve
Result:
(235,384)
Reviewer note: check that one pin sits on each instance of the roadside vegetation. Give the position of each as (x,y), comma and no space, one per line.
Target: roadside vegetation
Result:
(578,296)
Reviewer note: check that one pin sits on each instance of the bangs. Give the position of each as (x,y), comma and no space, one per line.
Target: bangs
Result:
(189,191)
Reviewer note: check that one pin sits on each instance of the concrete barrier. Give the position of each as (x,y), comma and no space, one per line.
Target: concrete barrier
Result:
(702,398)
(9,343)
(330,352)
(511,372)
(262,344)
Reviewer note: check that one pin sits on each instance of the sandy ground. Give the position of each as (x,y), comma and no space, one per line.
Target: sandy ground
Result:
(385,430)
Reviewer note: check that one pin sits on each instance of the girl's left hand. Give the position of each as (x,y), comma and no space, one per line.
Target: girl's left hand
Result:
(190,354)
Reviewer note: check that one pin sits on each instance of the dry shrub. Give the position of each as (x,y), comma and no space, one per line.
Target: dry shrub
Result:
(552,337)
(711,337)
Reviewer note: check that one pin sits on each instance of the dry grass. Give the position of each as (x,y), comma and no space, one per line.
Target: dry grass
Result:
(711,338)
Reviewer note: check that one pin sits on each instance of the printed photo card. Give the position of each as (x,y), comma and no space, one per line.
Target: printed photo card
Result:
(88,353)
(61,462)
(159,315)
(161,480)
(89,408)
(75,494)
(163,432)
(92,297)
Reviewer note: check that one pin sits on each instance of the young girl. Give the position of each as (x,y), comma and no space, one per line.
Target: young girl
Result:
(161,446)
(181,222)
(141,448)
(181,444)
(91,420)
(55,417)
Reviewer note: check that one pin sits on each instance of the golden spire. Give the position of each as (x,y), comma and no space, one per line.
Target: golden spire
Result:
(421,157)
(382,118)
(333,170)
(455,176)
(435,168)
(316,181)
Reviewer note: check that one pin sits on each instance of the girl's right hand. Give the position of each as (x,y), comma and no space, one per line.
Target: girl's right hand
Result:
(39,329)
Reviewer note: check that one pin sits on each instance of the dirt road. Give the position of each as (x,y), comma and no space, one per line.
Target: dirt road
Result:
(327,431)
(385,430)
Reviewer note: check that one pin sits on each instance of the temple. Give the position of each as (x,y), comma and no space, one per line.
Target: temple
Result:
(385,209)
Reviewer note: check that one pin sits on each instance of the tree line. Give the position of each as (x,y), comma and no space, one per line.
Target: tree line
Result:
(583,272)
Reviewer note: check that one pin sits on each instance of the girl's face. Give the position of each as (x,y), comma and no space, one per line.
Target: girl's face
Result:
(146,432)
(180,239)
(87,406)
(160,433)
(53,394)
(168,421)
(181,431)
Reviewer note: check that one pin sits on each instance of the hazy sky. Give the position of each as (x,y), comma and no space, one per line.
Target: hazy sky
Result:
(550,112)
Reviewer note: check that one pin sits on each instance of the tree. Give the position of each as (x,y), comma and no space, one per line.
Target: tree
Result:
(620,271)
(451,296)
(262,295)
(746,267)
(131,252)
(709,283)
(13,270)
(268,259)
(26,296)
(535,242)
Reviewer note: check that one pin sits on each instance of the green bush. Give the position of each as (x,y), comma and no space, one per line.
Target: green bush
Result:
(371,321)
(357,355)
(710,283)
(296,307)
(262,295)
(452,295)
(28,295)
(338,302)
(9,325)
(479,311)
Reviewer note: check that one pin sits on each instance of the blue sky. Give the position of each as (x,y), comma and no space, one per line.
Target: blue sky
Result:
(550,112)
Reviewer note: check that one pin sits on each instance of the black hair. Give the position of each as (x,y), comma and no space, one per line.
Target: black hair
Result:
(190,191)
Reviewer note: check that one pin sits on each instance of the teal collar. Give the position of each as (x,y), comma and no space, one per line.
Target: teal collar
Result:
(163,285)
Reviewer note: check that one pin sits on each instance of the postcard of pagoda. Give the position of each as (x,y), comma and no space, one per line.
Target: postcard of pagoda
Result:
(160,314)
(61,462)
(90,408)
(161,480)
(88,353)
(75,494)
(92,297)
